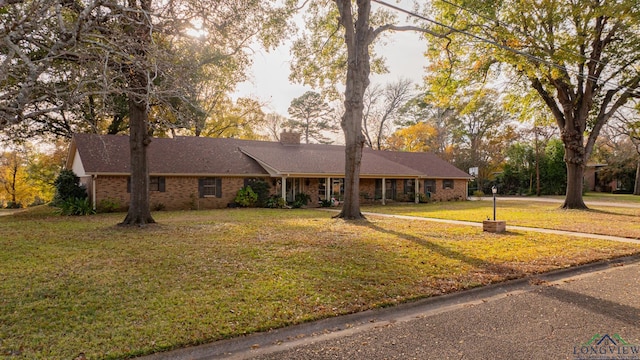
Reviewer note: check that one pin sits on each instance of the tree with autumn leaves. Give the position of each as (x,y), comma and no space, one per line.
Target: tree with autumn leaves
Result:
(27,174)
(580,57)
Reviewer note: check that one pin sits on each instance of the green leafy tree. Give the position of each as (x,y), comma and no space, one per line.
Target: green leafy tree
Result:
(311,115)
(481,129)
(519,172)
(580,57)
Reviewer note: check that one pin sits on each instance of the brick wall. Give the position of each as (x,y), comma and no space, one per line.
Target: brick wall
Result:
(458,192)
(181,193)
(367,191)
(313,190)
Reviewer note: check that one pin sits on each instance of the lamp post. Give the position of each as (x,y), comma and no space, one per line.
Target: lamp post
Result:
(494,190)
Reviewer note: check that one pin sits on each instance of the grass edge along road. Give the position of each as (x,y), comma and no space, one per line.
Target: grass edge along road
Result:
(72,285)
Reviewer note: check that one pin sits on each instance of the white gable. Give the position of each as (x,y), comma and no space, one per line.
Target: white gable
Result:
(77,166)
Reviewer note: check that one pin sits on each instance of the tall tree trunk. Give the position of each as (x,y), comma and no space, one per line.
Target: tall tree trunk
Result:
(573,198)
(139,138)
(139,212)
(358,37)
(636,188)
(537,163)
(575,159)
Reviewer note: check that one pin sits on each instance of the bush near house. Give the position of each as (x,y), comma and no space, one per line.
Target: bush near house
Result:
(68,186)
(246,197)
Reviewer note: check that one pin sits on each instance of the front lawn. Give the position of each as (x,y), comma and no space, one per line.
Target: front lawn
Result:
(605,220)
(82,284)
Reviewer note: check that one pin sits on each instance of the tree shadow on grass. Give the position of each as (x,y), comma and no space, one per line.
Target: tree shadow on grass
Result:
(505,272)
(607,212)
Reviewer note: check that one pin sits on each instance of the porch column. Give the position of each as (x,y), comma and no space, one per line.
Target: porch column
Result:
(466,187)
(384,191)
(416,190)
(327,189)
(93,192)
(284,188)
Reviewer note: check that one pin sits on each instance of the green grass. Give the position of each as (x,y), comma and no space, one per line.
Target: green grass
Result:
(605,220)
(622,198)
(82,284)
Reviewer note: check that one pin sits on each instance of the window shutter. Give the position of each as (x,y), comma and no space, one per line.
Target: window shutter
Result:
(218,187)
(161,184)
(246,182)
(129,184)
(201,188)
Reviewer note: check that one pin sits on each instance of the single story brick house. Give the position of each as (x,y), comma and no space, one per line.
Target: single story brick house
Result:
(205,173)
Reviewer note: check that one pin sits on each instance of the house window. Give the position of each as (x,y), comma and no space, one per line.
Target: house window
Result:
(447,184)
(389,189)
(409,188)
(210,187)
(156,183)
(430,186)
(251,181)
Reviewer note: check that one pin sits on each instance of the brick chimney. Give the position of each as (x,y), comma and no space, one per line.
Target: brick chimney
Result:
(289,137)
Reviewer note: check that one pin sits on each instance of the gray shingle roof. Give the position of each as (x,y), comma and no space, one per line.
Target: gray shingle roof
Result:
(109,154)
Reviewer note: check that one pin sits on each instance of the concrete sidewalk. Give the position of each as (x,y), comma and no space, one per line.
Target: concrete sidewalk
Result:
(558,315)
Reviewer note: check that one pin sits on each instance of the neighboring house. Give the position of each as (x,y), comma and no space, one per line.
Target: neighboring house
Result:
(203,173)
(591,179)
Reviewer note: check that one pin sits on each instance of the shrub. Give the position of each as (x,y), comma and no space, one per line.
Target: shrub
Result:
(14,205)
(261,188)
(301,200)
(424,198)
(109,206)
(158,206)
(68,187)
(275,202)
(75,207)
(325,203)
(478,193)
(37,201)
(193,201)
(246,197)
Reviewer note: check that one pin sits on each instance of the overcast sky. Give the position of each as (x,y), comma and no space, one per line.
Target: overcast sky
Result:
(269,77)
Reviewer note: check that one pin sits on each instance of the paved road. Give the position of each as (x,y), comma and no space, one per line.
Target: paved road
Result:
(549,316)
